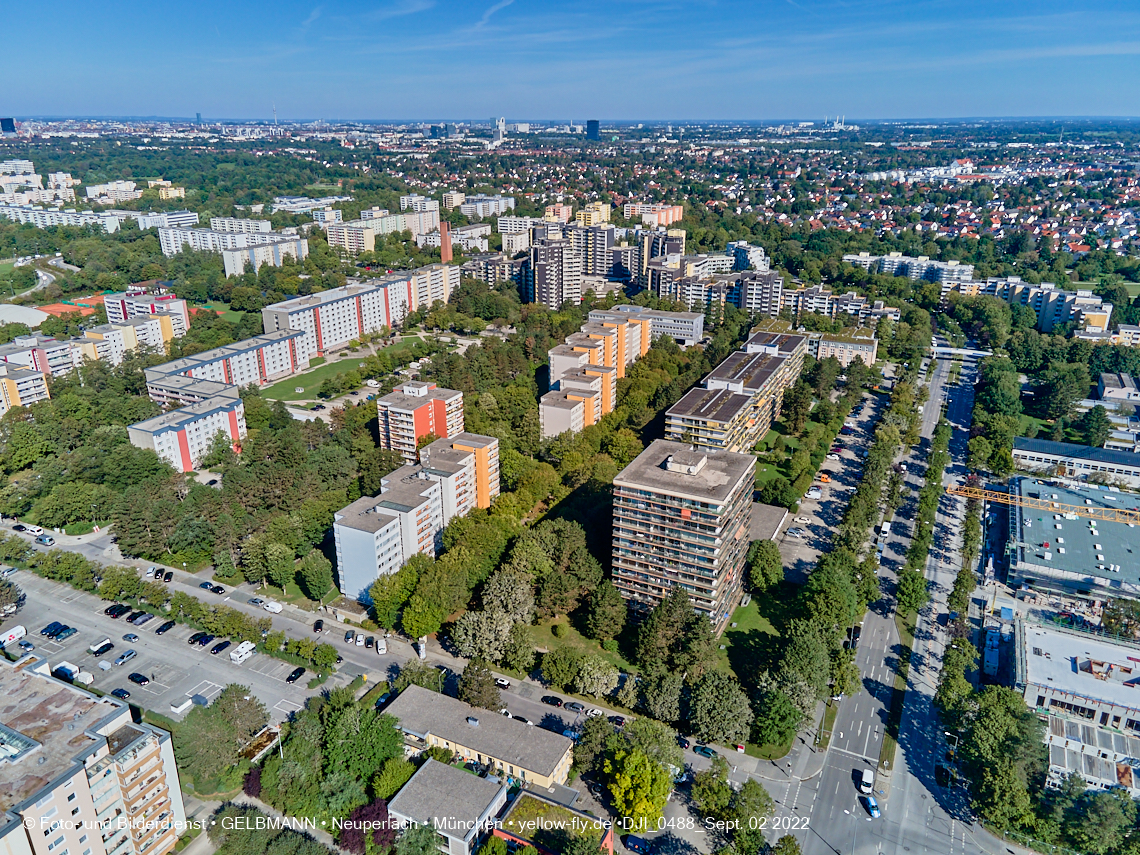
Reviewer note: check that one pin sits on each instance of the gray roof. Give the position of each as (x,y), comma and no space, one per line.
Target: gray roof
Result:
(716,405)
(363,516)
(1078,452)
(766,521)
(421,711)
(715,481)
(442,792)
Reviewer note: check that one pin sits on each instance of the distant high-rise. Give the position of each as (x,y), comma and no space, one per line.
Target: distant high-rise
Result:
(445,242)
(8,127)
(197,118)
(593,129)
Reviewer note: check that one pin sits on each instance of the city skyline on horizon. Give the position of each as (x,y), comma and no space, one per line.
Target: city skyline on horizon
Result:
(799,60)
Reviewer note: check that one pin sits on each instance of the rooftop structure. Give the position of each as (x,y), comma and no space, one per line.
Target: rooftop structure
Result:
(1083,462)
(460,806)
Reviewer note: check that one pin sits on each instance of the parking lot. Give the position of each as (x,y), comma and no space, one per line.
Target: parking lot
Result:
(176,670)
(824,514)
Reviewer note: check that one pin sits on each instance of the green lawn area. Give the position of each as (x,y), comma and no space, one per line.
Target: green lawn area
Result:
(227,313)
(753,636)
(84,527)
(765,472)
(7,265)
(320,370)
(1043,427)
(293,595)
(543,636)
(823,735)
(905,626)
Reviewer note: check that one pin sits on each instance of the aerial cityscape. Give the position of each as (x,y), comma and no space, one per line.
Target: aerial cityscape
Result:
(458,476)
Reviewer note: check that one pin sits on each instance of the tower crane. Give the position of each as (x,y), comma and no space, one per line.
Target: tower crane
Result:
(1118,515)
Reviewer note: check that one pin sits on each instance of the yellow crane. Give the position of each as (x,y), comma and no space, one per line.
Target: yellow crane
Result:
(1120,515)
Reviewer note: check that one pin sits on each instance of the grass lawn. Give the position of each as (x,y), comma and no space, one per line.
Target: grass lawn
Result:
(830,713)
(543,636)
(765,472)
(84,527)
(1043,427)
(322,187)
(545,823)
(227,313)
(311,381)
(293,595)
(7,265)
(753,631)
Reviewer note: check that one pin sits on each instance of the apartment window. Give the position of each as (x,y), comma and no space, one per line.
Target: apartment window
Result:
(71,798)
(83,838)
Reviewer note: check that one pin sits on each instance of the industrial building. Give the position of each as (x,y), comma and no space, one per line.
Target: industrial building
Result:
(1081,462)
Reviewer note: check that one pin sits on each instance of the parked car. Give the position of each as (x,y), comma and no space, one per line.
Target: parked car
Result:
(116,612)
(350,636)
(833,457)
(502,684)
(145,617)
(802,520)
(131,637)
(219,647)
(796,532)
(139,679)
(27,646)
(53,627)
(166,627)
(256,601)
(65,633)
(18,527)
(575,707)
(523,719)
(126,656)
(684,743)
(704,751)
(360,641)
(168,575)
(131,617)
(45,540)
(552,701)
(319,626)
(637,844)
(205,639)
(295,675)
(121,694)
(617,721)
(218,589)
(814,493)
(150,572)
(205,586)
(196,637)
(594,713)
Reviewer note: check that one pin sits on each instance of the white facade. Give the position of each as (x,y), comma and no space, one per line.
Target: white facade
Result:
(433,282)
(115,191)
(182,437)
(418,203)
(174,240)
(43,219)
(476,207)
(518,225)
(236,261)
(124,306)
(168,219)
(238,225)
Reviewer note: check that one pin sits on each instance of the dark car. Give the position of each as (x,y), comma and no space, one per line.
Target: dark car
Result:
(205,639)
(65,633)
(550,700)
(168,575)
(205,586)
(165,628)
(110,609)
(704,751)
(18,527)
(295,675)
(121,694)
(617,721)
(53,627)
(196,637)
(218,589)
(139,679)
(575,707)
(219,647)
(684,743)
(133,616)
(103,650)
(319,626)
(118,611)
(58,631)
(852,642)
(350,636)
(637,844)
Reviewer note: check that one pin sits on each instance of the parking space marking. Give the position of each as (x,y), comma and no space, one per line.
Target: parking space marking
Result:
(286,706)
(206,689)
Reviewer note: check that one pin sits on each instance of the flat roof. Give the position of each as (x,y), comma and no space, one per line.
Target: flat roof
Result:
(1081,664)
(752,370)
(188,363)
(766,520)
(363,515)
(714,482)
(558,399)
(1076,452)
(187,414)
(474,440)
(642,311)
(345,292)
(1085,553)
(440,792)
(55,715)
(715,405)
(421,711)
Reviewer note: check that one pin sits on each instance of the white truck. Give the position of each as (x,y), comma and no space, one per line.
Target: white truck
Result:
(242,652)
(12,635)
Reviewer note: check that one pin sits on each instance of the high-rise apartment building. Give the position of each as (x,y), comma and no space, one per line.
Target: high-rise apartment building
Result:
(80,776)
(113,341)
(237,261)
(453,200)
(418,203)
(553,273)
(237,225)
(375,535)
(114,191)
(168,220)
(334,318)
(653,214)
(479,206)
(21,387)
(518,225)
(139,300)
(594,214)
(183,437)
(681,518)
(415,410)
(594,245)
(174,239)
(558,213)
(593,129)
(39,352)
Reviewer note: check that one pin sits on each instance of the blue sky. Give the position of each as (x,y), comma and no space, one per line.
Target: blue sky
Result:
(572,59)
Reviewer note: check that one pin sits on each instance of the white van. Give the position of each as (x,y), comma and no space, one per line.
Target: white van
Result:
(867,782)
(381,645)
(273,608)
(33,529)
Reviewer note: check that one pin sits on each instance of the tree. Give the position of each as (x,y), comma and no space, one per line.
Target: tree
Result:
(591,744)
(422,617)
(596,676)
(389,593)
(638,785)
(1101,820)
(777,719)
(395,772)
(912,591)
(279,567)
(482,635)
(796,406)
(208,741)
(765,566)
(660,635)
(1063,384)
(518,652)
(978,453)
(368,821)
(661,696)
(418,840)
(417,673)
(787,845)
(720,711)
(560,667)
(711,793)
(477,686)
(607,612)
(584,844)
(510,592)
(316,575)
(1095,426)
(750,806)
(658,741)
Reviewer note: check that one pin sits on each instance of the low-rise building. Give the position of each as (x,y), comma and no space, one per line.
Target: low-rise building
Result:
(79,774)
(1081,462)
(462,808)
(537,820)
(415,410)
(846,346)
(534,755)
(1117,388)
